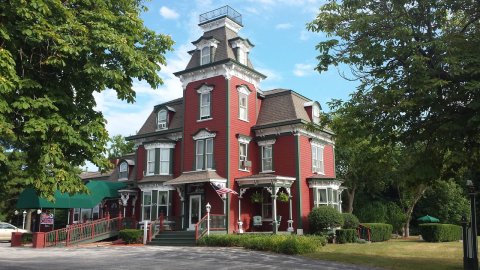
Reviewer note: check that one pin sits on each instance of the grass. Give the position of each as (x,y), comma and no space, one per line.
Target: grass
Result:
(396,254)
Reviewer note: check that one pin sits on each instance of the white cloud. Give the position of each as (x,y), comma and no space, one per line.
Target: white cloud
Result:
(302,70)
(168,13)
(283,26)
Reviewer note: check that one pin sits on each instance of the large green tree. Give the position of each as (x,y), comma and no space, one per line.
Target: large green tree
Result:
(418,65)
(54,55)
(119,147)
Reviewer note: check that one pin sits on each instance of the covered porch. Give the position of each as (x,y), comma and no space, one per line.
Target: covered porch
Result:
(195,190)
(267,190)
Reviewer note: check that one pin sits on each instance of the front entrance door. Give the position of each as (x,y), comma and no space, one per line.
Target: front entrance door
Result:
(195,211)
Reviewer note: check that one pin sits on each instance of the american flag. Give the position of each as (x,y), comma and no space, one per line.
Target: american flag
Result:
(223,190)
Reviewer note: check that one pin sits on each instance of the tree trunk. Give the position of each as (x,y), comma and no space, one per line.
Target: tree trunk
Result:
(350,199)
(416,197)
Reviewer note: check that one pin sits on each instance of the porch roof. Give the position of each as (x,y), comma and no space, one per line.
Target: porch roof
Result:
(196,177)
(264,180)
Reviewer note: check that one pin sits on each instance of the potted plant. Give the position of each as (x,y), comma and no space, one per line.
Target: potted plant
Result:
(256,197)
(283,197)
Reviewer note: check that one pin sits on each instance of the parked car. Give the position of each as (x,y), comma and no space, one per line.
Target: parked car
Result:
(6,230)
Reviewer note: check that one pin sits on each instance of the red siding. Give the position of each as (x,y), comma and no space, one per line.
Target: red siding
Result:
(177,159)
(140,162)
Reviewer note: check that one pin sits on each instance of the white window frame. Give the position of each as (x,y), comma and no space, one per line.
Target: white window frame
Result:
(243,93)
(76,211)
(203,155)
(205,111)
(159,204)
(242,157)
(123,168)
(318,164)
(205,57)
(265,159)
(162,120)
(315,114)
(150,163)
(319,202)
(268,144)
(144,206)
(163,160)
(96,210)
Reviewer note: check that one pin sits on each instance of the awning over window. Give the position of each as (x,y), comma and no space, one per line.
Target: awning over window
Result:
(99,190)
(265,180)
(196,177)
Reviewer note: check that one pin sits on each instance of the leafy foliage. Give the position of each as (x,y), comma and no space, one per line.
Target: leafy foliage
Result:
(119,147)
(131,236)
(324,217)
(350,221)
(379,232)
(440,232)
(54,55)
(346,236)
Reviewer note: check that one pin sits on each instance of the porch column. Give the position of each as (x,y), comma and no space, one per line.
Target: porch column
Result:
(274,212)
(240,222)
(290,219)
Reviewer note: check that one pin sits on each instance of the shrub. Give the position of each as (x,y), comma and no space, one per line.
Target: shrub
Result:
(372,212)
(286,244)
(379,232)
(440,232)
(324,217)
(27,238)
(396,217)
(350,221)
(346,236)
(131,236)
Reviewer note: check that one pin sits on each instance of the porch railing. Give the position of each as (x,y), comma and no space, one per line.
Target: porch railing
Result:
(101,228)
(170,223)
(217,223)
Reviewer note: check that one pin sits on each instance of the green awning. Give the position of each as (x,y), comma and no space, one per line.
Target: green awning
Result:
(99,190)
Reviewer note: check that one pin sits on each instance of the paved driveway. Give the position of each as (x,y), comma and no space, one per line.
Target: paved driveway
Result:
(154,257)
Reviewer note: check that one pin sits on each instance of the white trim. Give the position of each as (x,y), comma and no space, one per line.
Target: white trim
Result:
(266,142)
(159,145)
(223,22)
(242,139)
(206,43)
(308,104)
(203,134)
(226,70)
(206,119)
(296,130)
(243,90)
(205,89)
(159,187)
(191,226)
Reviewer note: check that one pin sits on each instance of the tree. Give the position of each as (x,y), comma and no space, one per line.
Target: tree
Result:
(119,147)
(53,56)
(417,63)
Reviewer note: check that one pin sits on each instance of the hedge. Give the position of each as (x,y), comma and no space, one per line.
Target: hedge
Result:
(346,236)
(324,217)
(379,232)
(286,244)
(440,232)
(350,221)
(131,236)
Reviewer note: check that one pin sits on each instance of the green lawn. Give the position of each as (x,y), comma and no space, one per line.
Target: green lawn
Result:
(396,254)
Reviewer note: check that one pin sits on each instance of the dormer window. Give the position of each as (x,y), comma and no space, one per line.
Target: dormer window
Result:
(205,56)
(316,114)
(162,119)
(243,93)
(205,102)
(123,171)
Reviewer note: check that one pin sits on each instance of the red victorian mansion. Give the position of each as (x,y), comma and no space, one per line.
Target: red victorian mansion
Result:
(227,132)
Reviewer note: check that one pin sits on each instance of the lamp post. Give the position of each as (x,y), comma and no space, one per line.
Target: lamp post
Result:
(23,223)
(470,234)
(39,212)
(16,214)
(208,207)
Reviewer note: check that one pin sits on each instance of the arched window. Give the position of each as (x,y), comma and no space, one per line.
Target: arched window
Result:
(123,171)
(316,114)
(162,119)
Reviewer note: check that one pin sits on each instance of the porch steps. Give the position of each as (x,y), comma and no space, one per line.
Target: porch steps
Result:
(174,238)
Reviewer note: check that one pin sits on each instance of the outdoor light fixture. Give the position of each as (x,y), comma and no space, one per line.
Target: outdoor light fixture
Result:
(208,207)
(39,211)
(470,249)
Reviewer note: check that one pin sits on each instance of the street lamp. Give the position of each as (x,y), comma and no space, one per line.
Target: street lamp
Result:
(39,211)
(23,224)
(16,214)
(470,256)
(208,207)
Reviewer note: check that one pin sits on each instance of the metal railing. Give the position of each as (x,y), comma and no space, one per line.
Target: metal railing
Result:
(217,223)
(220,12)
(87,231)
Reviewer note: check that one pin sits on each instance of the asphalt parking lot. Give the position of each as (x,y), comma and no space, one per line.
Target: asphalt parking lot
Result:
(154,257)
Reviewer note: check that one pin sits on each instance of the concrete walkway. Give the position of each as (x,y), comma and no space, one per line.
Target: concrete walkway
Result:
(155,257)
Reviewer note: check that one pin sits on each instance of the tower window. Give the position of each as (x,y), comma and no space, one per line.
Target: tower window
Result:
(205,56)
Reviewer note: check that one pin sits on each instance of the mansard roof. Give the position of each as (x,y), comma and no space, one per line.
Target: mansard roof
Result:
(224,49)
(292,105)
(175,106)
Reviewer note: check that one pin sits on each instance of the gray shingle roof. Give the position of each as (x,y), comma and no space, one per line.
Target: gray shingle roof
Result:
(196,177)
(282,105)
(177,121)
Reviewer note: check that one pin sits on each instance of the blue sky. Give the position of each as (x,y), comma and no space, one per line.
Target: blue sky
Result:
(284,51)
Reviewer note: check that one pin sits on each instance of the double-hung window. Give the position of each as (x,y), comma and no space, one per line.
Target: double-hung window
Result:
(123,171)
(204,154)
(150,161)
(205,105)
(317,159)
(243,106)
(147,205)
(164,161)
(316,114)
(205,56)
(162,119)
(267,164)
(242,154)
